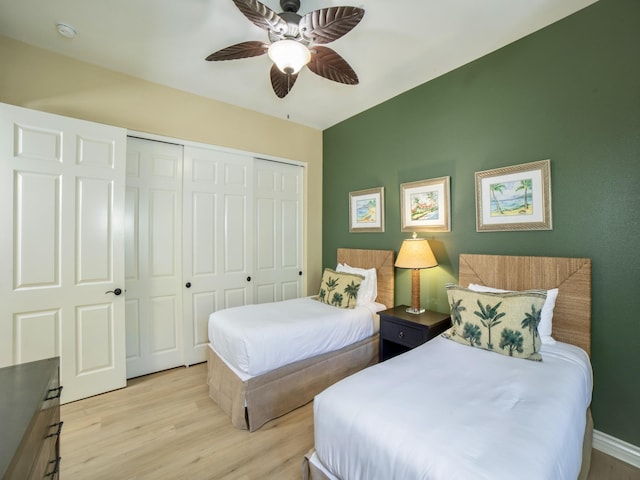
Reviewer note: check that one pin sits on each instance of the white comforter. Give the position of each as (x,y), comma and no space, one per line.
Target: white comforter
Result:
(448,411)
(254,339)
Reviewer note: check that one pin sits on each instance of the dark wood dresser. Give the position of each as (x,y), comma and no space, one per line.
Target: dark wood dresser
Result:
(30,423)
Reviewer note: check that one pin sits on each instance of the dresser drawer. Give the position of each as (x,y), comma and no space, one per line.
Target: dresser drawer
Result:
(30,407)
(403,334)
(47,463)
(38,442)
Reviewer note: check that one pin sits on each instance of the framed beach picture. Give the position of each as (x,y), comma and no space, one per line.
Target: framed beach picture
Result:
(366,210)
(425,205)
(514,198)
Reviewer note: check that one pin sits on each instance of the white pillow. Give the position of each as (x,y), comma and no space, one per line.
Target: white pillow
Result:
(544,327)
(368,288)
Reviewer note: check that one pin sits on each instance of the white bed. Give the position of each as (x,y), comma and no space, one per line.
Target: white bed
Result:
(263,362)
(445,410)
(256,339)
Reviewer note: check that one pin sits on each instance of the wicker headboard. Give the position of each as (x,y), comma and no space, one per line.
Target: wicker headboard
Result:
(382,261)
(572,276)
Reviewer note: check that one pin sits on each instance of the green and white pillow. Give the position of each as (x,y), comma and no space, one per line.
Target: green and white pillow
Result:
(339,289)
(505,323)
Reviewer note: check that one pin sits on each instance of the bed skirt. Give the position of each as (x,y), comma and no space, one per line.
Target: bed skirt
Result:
(311,472)
(275,393)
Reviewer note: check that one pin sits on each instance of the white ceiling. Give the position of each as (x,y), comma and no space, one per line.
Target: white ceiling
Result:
(397,46)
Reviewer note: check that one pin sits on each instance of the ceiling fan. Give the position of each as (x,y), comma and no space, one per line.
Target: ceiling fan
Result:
(296,41)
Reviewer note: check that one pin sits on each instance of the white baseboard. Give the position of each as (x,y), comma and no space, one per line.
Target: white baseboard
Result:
(616,448)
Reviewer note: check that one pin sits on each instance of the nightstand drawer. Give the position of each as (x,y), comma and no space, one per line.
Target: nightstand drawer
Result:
(400,331)
(402,334)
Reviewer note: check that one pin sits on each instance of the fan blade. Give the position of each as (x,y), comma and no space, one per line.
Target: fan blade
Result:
(239,50)
(281,82)
(328,64)
(262,16)
(329,24)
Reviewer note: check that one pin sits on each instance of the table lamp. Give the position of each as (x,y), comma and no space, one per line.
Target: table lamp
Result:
(415,253)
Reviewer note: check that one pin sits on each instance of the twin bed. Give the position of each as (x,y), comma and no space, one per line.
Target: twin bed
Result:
(259,370)
(445,409)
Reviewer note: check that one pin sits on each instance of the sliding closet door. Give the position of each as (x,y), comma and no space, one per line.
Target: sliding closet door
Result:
(153,256)
(218,240)
(61,244)
(206,230)
(278,230)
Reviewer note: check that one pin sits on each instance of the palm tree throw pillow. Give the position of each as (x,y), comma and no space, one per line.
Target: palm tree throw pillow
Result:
(339,289)
(505,323)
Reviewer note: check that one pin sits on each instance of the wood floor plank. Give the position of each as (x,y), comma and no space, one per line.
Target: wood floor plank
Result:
(164,426)
(605,467)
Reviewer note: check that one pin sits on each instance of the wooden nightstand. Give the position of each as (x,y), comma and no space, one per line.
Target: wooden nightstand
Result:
(401,331)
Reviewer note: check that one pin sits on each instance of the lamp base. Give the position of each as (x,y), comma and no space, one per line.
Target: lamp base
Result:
(415,311)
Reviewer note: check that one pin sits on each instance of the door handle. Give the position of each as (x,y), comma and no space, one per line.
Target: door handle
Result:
(188,284)
(117,291)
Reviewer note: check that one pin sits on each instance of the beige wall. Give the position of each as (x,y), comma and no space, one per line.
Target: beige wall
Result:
(35,78)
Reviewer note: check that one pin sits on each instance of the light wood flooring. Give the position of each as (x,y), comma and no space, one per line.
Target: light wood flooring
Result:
(164,426)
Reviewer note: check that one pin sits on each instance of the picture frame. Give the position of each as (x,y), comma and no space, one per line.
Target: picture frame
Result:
(425,205)
(366,210)
(514,198)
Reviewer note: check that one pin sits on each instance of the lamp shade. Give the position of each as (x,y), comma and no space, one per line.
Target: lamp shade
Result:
(415,253)
(289,55)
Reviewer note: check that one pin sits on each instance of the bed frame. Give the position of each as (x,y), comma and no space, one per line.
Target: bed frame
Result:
(251,403)
(572,277)
(571,315)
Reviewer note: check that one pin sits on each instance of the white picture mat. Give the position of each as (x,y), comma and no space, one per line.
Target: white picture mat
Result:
(538,200)
(440,221)
(355,200)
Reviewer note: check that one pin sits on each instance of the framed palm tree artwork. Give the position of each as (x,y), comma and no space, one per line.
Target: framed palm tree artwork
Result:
(425,205)
(366,210)
(514,198)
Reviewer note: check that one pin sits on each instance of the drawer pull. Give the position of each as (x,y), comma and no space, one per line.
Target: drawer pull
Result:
(54,393)
(401,334)
(57,432)
(56,467)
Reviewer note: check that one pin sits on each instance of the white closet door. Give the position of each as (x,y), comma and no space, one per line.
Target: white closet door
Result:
(153,256)
(278,225)
(218,240)
(62,199)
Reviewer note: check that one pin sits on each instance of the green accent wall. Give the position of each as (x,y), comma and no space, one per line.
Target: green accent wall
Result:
(569,93)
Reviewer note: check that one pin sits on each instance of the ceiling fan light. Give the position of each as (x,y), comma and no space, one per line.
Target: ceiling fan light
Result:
(289,55)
